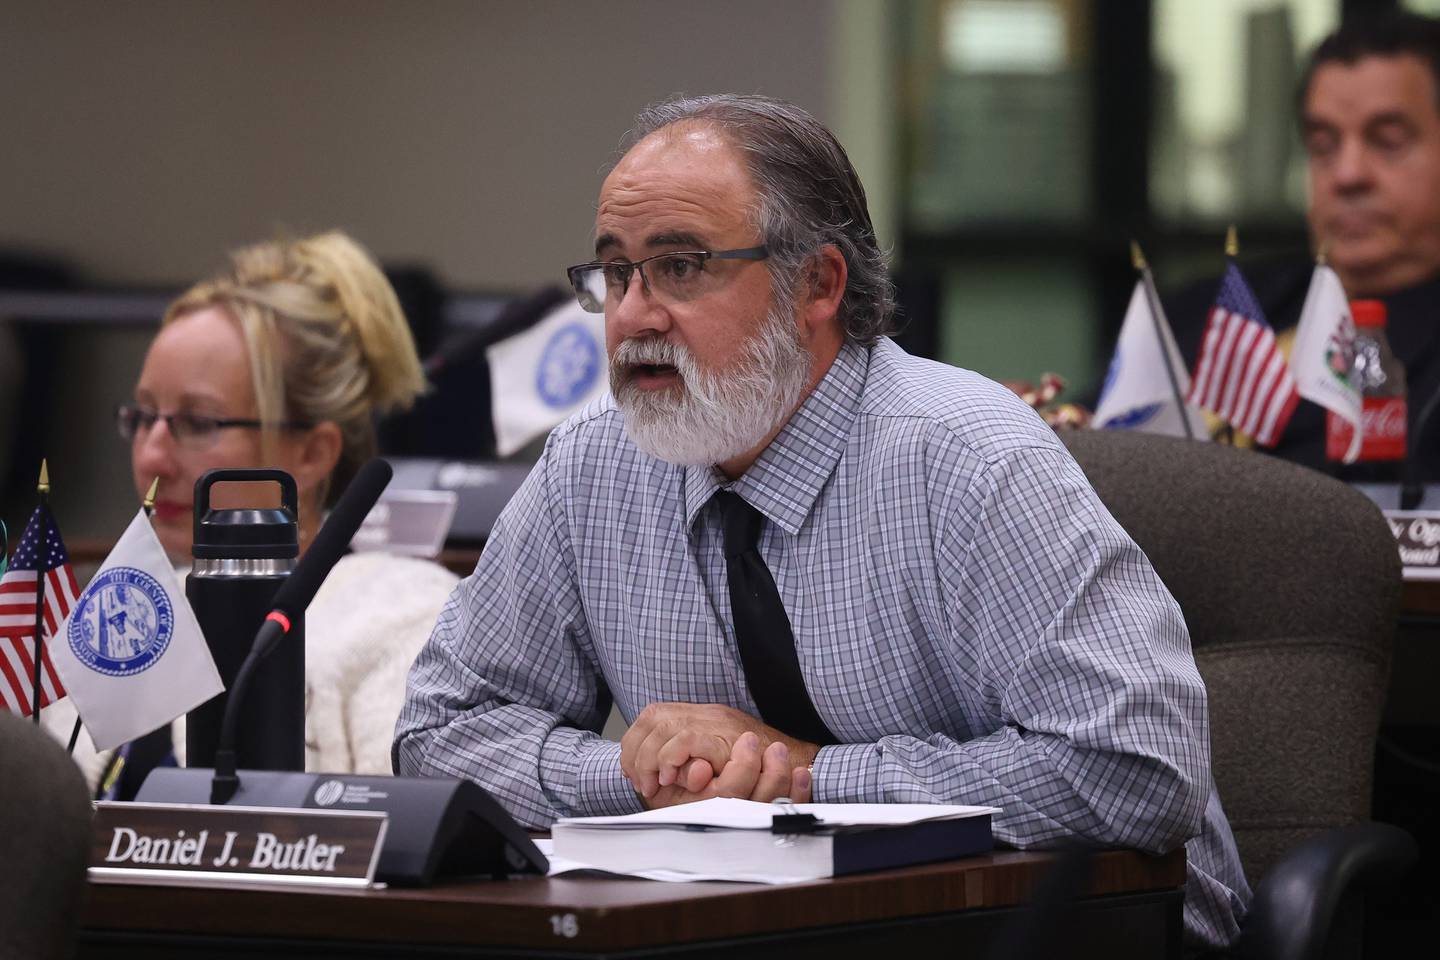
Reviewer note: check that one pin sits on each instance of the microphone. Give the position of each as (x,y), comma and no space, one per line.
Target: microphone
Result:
(436,825)
(1412,484)
(290,602)
(515,316)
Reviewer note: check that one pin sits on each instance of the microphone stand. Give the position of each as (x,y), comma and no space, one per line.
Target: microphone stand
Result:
(1412,483)
(227,780)
(516,316)
(434,823)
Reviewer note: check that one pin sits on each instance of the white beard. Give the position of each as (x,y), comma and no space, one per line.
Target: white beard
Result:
(711,416)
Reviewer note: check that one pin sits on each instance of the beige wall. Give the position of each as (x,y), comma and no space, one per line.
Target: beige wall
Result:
(143,138)
(139,140)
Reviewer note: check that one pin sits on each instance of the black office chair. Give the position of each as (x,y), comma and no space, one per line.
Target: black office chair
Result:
(44,843)
(1290,585)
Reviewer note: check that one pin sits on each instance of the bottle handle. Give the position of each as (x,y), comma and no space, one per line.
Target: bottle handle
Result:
(289,497)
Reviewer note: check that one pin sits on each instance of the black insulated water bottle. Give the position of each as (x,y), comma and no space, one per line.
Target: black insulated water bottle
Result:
(242,556)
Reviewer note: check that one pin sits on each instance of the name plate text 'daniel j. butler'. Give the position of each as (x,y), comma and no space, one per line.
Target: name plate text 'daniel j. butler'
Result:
(186,843)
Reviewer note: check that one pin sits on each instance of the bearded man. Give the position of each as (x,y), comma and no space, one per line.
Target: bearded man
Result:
(803,563)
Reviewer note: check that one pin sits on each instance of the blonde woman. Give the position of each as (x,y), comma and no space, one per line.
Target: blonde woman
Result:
(285,359)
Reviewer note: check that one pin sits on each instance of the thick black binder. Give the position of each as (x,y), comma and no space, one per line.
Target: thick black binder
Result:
(881,848)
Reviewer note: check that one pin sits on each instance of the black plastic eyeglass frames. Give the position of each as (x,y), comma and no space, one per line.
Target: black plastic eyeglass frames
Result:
(187,428)
(676,276)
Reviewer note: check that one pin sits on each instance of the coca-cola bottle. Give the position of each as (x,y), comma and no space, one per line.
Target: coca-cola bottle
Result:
(1384,412)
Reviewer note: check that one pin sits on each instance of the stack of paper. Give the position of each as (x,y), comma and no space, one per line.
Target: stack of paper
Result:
(725,839)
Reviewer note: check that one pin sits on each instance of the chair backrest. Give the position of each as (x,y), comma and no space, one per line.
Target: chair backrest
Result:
(1290,584)
(44,843)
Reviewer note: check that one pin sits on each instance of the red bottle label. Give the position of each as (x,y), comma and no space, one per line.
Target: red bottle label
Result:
(1382,434)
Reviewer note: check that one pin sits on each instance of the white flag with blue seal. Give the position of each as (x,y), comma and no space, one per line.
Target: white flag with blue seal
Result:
(542,375)
(1138,392)
(131,653)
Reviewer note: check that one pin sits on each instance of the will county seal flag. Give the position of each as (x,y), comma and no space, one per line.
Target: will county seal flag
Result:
(40,551)
(131,652)
(544,374)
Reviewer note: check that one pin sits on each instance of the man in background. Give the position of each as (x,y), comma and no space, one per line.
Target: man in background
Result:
(1369,116)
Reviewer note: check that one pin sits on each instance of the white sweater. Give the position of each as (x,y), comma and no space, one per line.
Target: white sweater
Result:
(363,630)
(368,621)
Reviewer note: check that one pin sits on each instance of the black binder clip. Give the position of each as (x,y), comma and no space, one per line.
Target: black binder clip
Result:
(792,822)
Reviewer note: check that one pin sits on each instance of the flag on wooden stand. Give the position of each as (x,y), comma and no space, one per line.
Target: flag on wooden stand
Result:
(40,547)
(1323,358)
(1241,375)
(1146,384)
(131,652)
(543,374)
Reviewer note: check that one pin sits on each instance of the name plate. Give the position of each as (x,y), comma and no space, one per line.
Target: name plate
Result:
(1417,535)
(410,522)
(186,843)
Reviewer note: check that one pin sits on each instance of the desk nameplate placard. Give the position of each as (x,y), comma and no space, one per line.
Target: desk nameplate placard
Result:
(1417,535)
(410,522)
(188,843)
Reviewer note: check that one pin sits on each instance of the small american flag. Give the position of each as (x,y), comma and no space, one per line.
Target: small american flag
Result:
(1241,376)
(40,542)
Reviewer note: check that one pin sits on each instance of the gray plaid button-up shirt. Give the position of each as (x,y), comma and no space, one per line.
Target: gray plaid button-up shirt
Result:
(971,623)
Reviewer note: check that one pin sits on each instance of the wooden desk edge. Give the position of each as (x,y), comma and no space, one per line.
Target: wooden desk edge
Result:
(603,913)
(1420,598)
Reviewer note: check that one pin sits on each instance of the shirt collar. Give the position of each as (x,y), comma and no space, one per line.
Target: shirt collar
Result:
(784,482)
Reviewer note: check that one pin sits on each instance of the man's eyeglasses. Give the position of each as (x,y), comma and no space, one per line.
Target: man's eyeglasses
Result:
(671,277)
(188,429)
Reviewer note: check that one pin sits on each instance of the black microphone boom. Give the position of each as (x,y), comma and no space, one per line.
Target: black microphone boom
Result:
(436,824)
(290,602)
(333,539)
(1412,479)
(515,316)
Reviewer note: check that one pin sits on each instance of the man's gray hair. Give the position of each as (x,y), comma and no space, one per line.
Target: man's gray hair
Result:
(810,196)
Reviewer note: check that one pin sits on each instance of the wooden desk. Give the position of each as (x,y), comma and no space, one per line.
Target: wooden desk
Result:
(1410,698)
(1132,908)
(1420,598)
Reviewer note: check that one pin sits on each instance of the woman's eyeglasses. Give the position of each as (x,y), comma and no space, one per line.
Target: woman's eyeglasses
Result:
(189,429)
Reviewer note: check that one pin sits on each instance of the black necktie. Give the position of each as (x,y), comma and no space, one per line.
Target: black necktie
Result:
(762,630)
